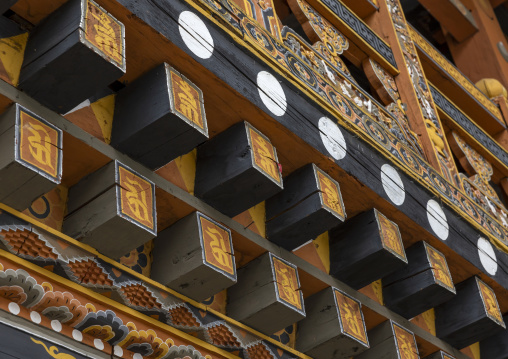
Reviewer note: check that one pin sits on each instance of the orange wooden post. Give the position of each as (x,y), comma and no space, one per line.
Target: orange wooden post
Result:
(413,87)
(479,56)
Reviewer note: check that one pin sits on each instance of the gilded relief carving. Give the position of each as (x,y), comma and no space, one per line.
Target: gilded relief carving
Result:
(387,90)
(136,196)
(105,33)
(490,302)
(351,317)
(288,284)
(476,183)
(440,268)
(406,343)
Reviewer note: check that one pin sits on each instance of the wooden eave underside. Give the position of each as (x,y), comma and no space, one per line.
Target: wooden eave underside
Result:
(359,178)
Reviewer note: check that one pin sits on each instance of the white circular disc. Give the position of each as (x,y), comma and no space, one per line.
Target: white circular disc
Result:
(137,356)
(77,335)
(99,344)
(332,138)
(14,308)
(56,325)
(118,351)
(195,34)
(35,317)
(392,184)
(271,93)
(437,219)
(487,256)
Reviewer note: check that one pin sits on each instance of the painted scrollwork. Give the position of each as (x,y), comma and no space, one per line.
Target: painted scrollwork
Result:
(387,90)
(415,71)
(477,186)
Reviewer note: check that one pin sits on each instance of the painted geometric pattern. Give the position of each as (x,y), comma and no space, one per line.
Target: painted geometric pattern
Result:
(115,283)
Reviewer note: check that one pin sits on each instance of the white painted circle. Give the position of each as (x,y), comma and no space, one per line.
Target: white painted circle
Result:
(332,138)
(271,93)
(14,308)
(99,344)
(36,317)
(56,325)
(118,351)
(195,34)
(137,356)
(437,219)
(487,256)
(77,335)
(392,184)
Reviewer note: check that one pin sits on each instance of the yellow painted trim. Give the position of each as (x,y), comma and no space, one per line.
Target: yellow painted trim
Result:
(333,18)
(430,319)
(113,304)
(186,165)
(12,52)
(258,215)
(104,110)
(141,277)
(322,244)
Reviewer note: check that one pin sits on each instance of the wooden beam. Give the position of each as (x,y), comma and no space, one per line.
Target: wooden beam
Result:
(334,326)
(479,57)
(390,340)
(6,5)
(365,249)
(496,346)
(453,16)
(159,117)
(310,204)
(60,54)
(195,257)
(112,209)
(239,160)
(423,284)
(30,157)
(267,296)
(471,316)
(362,8)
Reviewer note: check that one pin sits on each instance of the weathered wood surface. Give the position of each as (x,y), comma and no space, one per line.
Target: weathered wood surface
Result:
(423,284)
(365,248)
(195,257)
(159,117)
(389,340)
(471,316)
(496,346)
(352,142)
(267,296)
(30,157)
(454,16)
(6,5)
(65,62)
(310,204)
(333,327)
(112,209)
(238,160)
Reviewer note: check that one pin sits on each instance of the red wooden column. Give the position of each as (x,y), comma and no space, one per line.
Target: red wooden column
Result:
(480,56)
(424,120)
